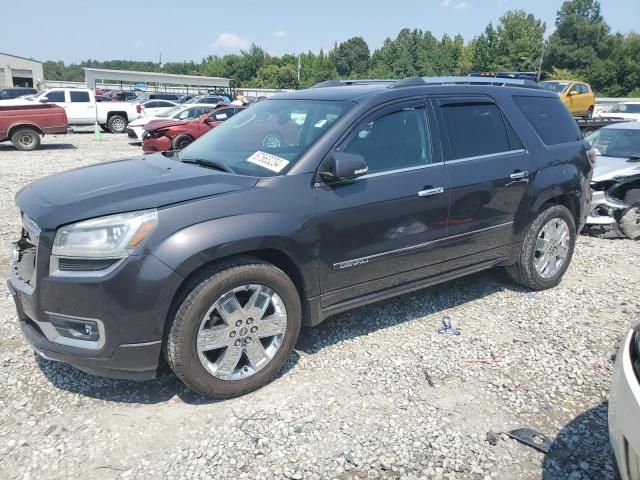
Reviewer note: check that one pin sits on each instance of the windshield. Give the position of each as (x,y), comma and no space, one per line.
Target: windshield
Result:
(556,87)
(616,142)
(269,137)
(625,108)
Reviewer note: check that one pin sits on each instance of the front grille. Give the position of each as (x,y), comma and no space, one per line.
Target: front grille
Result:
(84,265)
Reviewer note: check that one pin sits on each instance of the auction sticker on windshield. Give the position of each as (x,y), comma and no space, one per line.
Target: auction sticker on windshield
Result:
(268,161)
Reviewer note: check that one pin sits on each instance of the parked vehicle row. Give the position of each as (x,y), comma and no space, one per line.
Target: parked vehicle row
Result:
(82,109)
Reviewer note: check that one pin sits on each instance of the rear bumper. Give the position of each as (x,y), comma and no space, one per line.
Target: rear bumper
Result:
(624,413)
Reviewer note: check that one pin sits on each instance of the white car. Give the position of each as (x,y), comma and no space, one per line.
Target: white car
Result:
(626,110)
(152,108)
(624,406)
(135,129)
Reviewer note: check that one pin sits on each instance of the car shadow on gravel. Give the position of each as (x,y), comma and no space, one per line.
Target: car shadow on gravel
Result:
(349,325)
(581,450)
(161,389)
(47,146)
(406,308)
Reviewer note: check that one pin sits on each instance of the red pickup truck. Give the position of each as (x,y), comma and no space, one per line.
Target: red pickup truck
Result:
(23,124)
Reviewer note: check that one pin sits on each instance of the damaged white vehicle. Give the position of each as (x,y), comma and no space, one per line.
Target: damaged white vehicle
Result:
(616,180)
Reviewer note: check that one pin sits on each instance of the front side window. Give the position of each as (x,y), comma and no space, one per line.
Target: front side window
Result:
(222,115)
(475,130)
(394,141)
(264,140)
(56,96)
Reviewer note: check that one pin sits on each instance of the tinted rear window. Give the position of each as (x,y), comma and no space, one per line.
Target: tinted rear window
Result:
(474,130)
(550,118)
(79,96)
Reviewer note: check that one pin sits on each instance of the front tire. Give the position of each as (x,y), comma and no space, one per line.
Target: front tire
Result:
(25,139)
(629,223)
(235,328)
(181,141)
(117,124)
(547,249)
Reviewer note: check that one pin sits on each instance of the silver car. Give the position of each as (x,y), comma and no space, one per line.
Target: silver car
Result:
(616,179)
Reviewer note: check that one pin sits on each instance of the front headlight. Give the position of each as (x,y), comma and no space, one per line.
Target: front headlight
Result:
(114,236)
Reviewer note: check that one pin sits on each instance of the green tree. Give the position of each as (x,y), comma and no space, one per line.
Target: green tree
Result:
(581,36)
(519,41)
(352,57)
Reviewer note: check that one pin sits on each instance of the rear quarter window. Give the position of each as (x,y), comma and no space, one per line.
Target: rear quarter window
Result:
(550,119)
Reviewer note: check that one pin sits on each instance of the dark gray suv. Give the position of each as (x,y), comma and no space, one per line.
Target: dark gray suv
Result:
(302,206)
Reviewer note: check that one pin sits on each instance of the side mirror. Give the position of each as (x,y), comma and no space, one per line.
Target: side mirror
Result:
(342,167)
(43,99)
(573,92)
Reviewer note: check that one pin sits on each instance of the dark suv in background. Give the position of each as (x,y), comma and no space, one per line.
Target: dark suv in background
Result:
(216,256)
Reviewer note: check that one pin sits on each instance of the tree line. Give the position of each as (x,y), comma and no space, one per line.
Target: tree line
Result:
(581,47)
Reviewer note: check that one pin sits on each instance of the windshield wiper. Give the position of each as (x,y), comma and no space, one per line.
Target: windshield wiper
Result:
(203,162)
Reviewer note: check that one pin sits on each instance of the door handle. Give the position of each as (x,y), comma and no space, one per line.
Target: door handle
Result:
(519,175)
(428,192)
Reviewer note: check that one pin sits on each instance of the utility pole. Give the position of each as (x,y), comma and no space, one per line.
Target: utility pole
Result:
(541,60)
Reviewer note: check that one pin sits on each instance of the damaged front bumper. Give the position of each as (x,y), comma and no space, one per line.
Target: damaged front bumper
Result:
(603,209)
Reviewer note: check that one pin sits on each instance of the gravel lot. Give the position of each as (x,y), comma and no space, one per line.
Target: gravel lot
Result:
(375,393)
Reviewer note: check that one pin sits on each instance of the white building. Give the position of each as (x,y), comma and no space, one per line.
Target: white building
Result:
(20,72)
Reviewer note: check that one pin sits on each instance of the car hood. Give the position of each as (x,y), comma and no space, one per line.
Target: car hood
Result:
(130,184)
(609,168)
(157,125)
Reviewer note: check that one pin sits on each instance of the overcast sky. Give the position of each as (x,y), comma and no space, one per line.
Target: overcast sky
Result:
(75,30)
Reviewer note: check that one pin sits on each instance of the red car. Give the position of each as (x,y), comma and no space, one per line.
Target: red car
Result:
(165,135)
(23,124)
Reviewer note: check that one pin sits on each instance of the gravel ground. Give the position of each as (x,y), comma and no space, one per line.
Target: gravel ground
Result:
(375,393)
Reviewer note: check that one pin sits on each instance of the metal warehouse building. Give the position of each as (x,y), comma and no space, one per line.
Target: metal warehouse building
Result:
(20,72)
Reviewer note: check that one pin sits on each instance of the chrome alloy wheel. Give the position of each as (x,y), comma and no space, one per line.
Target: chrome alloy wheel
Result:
(552,248)
(241,332)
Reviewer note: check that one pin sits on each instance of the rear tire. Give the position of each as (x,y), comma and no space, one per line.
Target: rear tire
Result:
(629,223)
(589,113)
(541,241)
(181,142)
(25,139)
(117,124)
(206,370)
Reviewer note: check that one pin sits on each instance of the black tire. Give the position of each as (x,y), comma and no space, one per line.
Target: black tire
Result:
(25,139)
(117,124)
(181,141)
(523,271)
(180,347)
(589,113)
(629,223)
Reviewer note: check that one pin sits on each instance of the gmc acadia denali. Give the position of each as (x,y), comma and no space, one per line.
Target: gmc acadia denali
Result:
(300,207)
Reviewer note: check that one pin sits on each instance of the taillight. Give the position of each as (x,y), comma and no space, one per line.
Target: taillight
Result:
(592,154)
(138,108)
